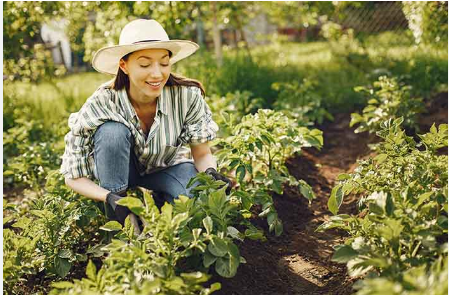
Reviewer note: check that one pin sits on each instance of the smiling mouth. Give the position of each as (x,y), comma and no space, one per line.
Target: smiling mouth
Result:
(154,84)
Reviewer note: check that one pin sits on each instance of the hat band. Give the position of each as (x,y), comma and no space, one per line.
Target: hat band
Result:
(145,41)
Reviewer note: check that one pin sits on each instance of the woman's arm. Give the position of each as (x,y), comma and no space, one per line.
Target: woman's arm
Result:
(86,187)
(202,157)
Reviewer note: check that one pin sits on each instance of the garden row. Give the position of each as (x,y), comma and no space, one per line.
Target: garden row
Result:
(52,233)
(398,240)
(58,232)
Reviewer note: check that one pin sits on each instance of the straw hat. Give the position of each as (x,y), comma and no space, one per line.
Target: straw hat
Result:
(137,35)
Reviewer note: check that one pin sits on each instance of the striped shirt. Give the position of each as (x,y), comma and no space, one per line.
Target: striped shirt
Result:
(182,117)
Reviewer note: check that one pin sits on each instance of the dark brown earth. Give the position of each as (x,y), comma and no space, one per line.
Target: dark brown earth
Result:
(299,261)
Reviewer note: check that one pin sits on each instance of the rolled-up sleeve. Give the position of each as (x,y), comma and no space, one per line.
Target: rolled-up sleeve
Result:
(77,160)
(198,126)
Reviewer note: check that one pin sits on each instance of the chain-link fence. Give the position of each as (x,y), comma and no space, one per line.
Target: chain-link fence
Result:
(425,21)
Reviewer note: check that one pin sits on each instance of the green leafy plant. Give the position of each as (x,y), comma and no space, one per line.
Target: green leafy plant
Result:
(301,102)
(239,103)
(257,150)
(387,99)
(51,236)
(153,260)
(417,280)
(403,202)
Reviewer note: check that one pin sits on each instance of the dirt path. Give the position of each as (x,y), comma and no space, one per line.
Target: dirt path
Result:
(298,262)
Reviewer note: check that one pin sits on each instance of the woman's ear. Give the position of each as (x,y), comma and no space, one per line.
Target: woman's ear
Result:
(122,66)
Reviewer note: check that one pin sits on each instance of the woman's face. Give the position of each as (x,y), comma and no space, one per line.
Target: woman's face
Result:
(146,67)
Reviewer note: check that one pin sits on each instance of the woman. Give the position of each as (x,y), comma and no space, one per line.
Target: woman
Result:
(131,131)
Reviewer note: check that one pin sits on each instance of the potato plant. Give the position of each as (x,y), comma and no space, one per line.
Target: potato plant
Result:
(403,202)
(257,149)
(174,239)
(301,102)
(239,103)
(50,236)
(387,99)
(31,152)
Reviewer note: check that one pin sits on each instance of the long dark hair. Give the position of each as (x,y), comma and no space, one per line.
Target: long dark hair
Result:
(121,80)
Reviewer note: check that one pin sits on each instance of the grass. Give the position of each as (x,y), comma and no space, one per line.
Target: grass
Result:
(425,68)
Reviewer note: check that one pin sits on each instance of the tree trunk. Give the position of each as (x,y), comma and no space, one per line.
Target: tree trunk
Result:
(242,34)
(216,36)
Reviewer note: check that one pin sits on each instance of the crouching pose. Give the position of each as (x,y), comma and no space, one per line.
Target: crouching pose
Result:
(131,131)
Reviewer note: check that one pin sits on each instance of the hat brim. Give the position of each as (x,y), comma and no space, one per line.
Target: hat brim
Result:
(106,60)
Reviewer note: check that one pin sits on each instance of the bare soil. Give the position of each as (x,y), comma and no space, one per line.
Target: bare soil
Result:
(299,261)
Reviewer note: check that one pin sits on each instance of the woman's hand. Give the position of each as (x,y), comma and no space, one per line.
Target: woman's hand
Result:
(217,176)
(121,212)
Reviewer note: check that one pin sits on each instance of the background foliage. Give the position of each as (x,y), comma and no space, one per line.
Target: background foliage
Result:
(312,67)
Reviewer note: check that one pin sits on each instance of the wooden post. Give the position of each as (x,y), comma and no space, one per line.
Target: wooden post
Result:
(216,35)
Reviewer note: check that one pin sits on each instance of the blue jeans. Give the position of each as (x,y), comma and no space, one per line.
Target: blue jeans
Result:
(116,165)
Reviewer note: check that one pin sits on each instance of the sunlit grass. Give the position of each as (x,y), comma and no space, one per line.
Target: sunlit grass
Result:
(424,67)
(49,101)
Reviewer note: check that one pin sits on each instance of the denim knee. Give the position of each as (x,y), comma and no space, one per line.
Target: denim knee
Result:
(116,134)
(177,178)
(112,147)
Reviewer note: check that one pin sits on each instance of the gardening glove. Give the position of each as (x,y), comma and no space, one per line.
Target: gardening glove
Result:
(121,212)
(217,176)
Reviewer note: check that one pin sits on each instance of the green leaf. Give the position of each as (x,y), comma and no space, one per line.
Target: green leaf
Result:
(65,253)
(241,171)
(195,277)
(227,266)
(208,224)
(62,266)
(208,259)
(355,118)
(344,253)
(422,198)
(313,141)
(391,230)
(442,221)
(134,204)
(22,223)
(178,219)
(433,129)
(343,176)
(196,232)
(306,190)
(91,271)
(335,199)
(380,158)
(62,285)
(217,200)
(234,163)
(234,233)
(218,247)
(111,226)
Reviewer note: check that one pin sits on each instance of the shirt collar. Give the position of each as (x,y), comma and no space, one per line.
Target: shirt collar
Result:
(129,109)
(162,101)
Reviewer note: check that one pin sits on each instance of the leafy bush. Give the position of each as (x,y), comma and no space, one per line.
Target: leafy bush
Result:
(237,103)
(301,102)
(403,202)
(154,260)
(257,150)
(416,280)
(387,99)
(51,236)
